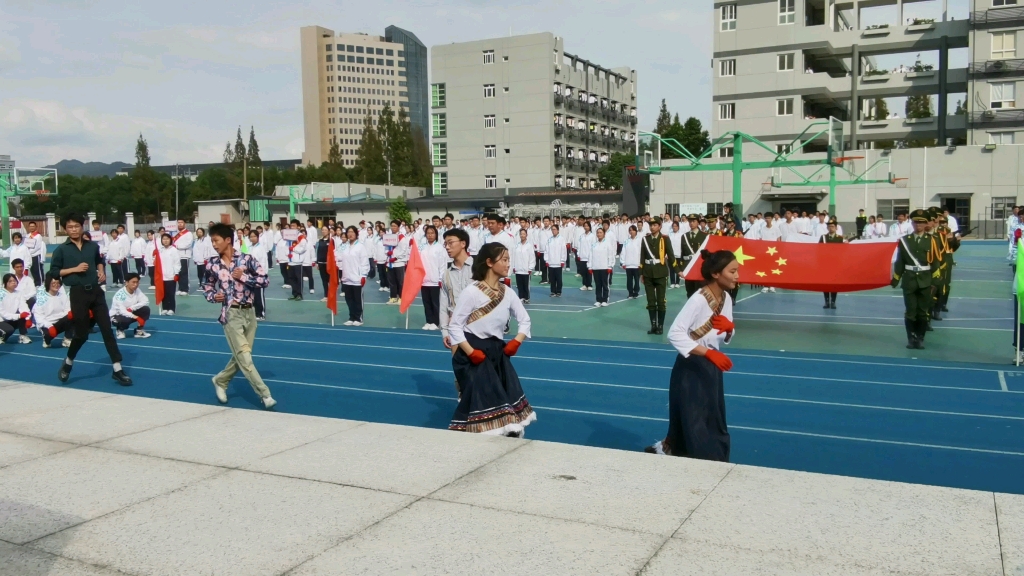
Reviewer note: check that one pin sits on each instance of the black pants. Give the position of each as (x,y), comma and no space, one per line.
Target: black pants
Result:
(84,301)
(8,327)
(584,269)
(284,272)
(152,275)
(354,301)
(201,273)
(673,274)
(140,266)
(117,272)
(183,276)
(396,280)
(540,262)
(63,325)
(523,286)
(37,270)
(124,322)
(382,271)
(295,279)
(259,302)
(601,285)
(543,268)
(830,297)
(555,278)
(325,277)
(431,296)
(691,287)
(633,282)
(169,303)
(307,272)
(373,270)
(124,269)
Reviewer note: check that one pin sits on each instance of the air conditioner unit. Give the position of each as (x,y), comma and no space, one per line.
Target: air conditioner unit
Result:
(558,69)
(989,114)
(999,64)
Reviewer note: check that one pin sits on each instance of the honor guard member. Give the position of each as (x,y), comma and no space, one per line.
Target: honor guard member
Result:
(692,240)
(656,260)
(916,267)
(831,238)
(949,242)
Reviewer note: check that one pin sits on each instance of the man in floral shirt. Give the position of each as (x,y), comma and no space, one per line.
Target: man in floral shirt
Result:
(231,278)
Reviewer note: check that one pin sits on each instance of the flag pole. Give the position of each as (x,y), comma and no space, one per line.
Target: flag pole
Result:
(407,317)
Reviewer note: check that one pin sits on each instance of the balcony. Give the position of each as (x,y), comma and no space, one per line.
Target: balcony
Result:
(907,128)
(559,99)
(558,159)
(997,118)
(997,68)
(559,129)
(998,17)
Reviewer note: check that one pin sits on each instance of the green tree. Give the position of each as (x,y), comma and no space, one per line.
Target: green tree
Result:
(392,145)
(370,166)
(142,183)
(141,153)
(422,170)
(691,136)
(881,109)
(254,149)
(961,108)
(239,152)
(334,155)
(229,156)
(610,175)
(919,107)
(399,210)
(664,121)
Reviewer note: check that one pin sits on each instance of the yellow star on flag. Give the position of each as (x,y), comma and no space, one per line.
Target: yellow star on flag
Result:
(781,261)
(772,251)
(741,257)
(761,274)
(776,272)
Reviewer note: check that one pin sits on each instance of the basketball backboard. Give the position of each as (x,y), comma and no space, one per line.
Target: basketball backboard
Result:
(836,140)
(648,150)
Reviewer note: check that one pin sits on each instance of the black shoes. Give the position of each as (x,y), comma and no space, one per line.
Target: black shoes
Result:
(121,378)
(64,373)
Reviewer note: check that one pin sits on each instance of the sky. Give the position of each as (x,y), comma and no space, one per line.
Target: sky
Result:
(83,78)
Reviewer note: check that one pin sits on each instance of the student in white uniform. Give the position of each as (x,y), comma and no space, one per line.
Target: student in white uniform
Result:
(14,312)
(183,240)
(524,259)
(676,238)
(17,251)
(602,259)
(170,262)
(296,260)
(258,251)
(130,306)
(137,252)
(435,260)
(555,257)
(354,264)
(26,287)
(52,311)
(37,249)
(584,247)
(281,255)
(398,257)
(116,254)
(629,259)
(202,251)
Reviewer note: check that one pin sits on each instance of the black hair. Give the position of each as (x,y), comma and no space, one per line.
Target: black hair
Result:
(169,237)
(131,276)
(714,263)
(8,278)
(449,215)
(16,262)
(491,251)
(222,230)
(429,227)
(460,235)
(295,221)
(50,277)
(633,227)
(396,223)
(498,218)
(17,235)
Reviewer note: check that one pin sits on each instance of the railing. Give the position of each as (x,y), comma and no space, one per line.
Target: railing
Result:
(559,99)
(997,66)
(559,129)
(558,159)
(997,16)
(997,116)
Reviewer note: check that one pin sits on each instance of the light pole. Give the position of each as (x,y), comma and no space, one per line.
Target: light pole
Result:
(176,177)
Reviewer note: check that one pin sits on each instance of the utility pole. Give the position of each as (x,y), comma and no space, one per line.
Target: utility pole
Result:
(262,191)
(176,178)
(245,185)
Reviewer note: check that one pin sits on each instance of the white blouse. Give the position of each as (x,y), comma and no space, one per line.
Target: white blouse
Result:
(491,325)
(695,313)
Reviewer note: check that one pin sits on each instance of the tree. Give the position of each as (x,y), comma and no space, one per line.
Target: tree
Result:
(229,156)
(881,109)
(610,174)
(334,155)
(370,167)
(239,152)
(919,107)
(664,121)
(254,149)
(691,136)
(399,210)
(393,147)
(141,152)
(961,108)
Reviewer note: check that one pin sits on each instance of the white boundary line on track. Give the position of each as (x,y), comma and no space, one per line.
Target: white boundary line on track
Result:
(1002,381)
(937,328)
(866,317)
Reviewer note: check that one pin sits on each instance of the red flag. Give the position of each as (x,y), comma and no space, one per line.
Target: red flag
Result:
(158,277)
(811,267)
(332,285)
(414,274)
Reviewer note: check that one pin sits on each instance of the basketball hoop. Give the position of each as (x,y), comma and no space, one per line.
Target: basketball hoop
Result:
(42,195)
(839,161)
(766,186)
(901,182)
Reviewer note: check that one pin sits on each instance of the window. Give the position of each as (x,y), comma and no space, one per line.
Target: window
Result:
(727,67)
(728,17)
(380,61)
(437,96)
(330,47)
(491,181)
(1004,45)
(783,148)
(439,125)
(1004,2)
(440,153)
(380,51)
(787,11)
(506,120)
(714,208)
(389,52)
(504,58)
(727,111)
(1003,95)
(725,152)
(505,89)
(440,183)
(488,56)
(784,107)
(490,151)
(672,209)
(890,208)
(359,49)
(359,59)
(489,121)
(330,58)
(488,90)
(1002,207)
(401,53)
(390,62)
(1000,137)
(786,62)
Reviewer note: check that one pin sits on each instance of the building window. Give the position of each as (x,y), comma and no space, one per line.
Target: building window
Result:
(1002,207)
(725,152)
(787,11)
(890,208)
(1000,137)
(440,154)
(389,52)
(786,62)
(783,148)
(359,49)
(505,89)
(488,56)
(1003,95)
(440,183)
(714,208)
(728,17)
(727,67)
(784,107)
(489,121)
(439,125)
(490,151)
(491,181)
(1004,45)
(727,111)
(437,96)
(1004,2)
(488,90)
(672,209)
(330,47)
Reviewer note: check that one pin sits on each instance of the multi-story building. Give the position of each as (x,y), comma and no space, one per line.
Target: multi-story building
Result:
(6,164)
(996,69)
(519,115)
(413,80)
(346,78)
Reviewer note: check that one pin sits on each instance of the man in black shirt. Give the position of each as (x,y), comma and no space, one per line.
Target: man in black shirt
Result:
(79,264)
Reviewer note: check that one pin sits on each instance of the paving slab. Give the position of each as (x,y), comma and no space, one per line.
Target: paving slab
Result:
(902,528)
(10,383)
(32,398)
(397,459)
(15,448)
(236,523)
(628,490)
(103,418)
(432,537)
(51,493)
(230,438)
(1011,532)
(22,561)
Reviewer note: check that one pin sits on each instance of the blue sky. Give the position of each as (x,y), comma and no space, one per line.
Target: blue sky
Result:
(81,78)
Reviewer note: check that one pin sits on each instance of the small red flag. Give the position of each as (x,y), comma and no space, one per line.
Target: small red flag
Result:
(332,285)
(811,267)
(158,276)
(414,274)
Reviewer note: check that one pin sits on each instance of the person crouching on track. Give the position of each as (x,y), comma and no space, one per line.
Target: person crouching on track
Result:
(52,312)
(14,312)
(492,400)
(696,396)
(129,306)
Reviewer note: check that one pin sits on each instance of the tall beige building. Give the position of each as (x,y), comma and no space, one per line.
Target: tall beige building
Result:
(344,78)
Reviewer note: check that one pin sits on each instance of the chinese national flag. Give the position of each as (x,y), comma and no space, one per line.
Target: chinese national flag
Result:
(414,274)
(332,284)
(158,277)
(810,267)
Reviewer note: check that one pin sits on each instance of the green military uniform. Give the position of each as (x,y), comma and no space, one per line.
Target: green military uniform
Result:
(831,238)
(656,262)
(948,244)
(690,248)
(917,266)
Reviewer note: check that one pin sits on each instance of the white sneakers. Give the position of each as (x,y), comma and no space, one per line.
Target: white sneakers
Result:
(324,299)
(140,333)
(767,290)
(348,323)
(167,312)
(772,290)
(597,304)
(312,291)
(286,287)
(357,323)
(120,335)
(66,343)
(584,288)
(152,287)
(222,394)
(383,290)
(269,403)
(430,327)
(24,340)
(604,303)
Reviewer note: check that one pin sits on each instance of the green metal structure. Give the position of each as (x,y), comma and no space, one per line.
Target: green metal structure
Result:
(11,188)
(648,160)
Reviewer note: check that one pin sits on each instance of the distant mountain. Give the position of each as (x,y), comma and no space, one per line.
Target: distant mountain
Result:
(79,168)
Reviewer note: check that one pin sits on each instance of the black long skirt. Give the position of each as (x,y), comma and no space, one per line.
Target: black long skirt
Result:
(696,408)
(492,399)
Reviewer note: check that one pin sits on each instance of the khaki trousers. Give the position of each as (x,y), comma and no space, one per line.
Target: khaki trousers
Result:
(240,331)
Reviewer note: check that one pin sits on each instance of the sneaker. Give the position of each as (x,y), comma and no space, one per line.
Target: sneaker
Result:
(426,327)
(764,290)
(312,291)
(656,448)
(152,287)
(583,288)
(64,373)
(269,403)
(527,301)
(597,304)
(324,299)
(604,304)
(140,333)
(170,313)
(120,335)
(286,287)
(24,340)
(261,318)
(383,290)
(222,394)
(349,323)
(103,287)
(544,283)
(46,344)
(66,343)
(357,323)
(771,290)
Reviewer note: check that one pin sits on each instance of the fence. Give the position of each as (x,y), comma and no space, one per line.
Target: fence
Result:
(987,227)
